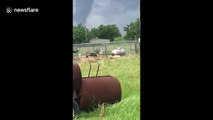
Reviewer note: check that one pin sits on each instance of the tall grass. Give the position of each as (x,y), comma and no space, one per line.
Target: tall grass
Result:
(127,70)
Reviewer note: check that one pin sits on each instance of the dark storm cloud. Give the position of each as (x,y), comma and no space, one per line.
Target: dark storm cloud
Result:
(93,13)
(82,10)
(120,6)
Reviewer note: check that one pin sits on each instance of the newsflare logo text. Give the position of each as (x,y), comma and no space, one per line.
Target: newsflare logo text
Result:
(19,10)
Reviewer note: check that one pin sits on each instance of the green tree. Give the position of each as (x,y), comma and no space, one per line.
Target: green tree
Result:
(79,33)
(108,32)
(118,39)
(132,30)
(93,33)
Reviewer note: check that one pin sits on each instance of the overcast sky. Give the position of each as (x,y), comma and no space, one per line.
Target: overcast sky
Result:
(93,13)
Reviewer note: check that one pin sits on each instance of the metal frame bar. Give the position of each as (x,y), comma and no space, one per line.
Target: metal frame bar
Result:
(91,67)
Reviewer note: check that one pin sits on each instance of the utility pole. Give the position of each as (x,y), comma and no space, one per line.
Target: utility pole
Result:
(86,33)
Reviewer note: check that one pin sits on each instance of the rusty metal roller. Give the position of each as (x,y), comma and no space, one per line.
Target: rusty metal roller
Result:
(77,78)
(98,90)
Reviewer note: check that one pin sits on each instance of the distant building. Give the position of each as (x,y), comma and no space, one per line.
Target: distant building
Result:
(97,40)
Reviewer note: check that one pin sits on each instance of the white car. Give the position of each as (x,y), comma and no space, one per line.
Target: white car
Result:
(118,51)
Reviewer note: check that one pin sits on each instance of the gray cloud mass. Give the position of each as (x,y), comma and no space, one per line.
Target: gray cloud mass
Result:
(93,13)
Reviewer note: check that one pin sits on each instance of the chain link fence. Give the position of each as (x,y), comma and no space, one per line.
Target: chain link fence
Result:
(131,47)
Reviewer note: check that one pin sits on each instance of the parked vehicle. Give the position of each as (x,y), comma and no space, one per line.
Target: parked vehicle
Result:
(118,51)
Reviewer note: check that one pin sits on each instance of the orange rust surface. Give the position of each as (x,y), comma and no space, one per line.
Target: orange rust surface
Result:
(98,90)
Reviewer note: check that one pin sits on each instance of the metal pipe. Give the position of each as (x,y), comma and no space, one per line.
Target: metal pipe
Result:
(97,69)
(98,90)
(77,78)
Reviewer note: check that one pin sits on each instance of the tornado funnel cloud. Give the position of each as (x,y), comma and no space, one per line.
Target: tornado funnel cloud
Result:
(83,8)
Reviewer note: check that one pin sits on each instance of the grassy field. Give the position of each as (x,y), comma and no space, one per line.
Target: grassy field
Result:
(127,70)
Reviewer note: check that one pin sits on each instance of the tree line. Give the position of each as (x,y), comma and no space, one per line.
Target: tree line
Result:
(81,34)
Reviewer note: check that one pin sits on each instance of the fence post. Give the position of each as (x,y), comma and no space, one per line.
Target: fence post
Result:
(105,50)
